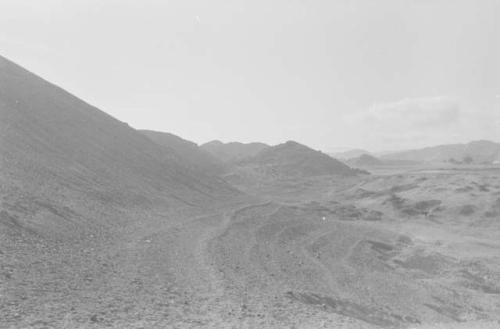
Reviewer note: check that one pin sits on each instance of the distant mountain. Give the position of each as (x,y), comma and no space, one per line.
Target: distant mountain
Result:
(349,154)
(191,153)
(365,160)
(234,151)
(64,163)
(480,152)
(370,161)
(292,159)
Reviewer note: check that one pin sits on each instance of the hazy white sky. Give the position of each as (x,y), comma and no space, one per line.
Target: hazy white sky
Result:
(372,74)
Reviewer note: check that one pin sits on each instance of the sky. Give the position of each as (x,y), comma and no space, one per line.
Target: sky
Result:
(378,75)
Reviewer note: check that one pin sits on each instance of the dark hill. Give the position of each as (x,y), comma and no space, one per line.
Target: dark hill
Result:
(297,160)
(365,160)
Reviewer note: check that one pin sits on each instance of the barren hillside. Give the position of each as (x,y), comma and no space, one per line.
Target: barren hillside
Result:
(292,159)
(80,193)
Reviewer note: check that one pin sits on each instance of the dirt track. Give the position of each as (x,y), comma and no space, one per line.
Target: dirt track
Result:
(320,264)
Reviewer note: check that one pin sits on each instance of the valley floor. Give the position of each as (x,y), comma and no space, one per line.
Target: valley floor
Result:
(406,250)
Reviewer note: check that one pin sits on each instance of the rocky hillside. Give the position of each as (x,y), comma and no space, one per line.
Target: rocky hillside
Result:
(62,157)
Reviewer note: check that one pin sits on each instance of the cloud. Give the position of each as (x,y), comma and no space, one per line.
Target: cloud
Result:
(413,113)
(408,123)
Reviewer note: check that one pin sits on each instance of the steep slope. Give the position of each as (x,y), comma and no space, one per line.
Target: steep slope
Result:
(235,151)
(479,151)
(292,159)
(56,149)
(190,152)
(88,207)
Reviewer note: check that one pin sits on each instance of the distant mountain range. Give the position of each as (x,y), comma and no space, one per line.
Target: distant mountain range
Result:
(369,161)
(476,152)
(348,154)
(479,152)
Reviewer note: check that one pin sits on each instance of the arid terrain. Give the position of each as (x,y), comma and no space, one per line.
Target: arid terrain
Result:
(393,250)
(104,226)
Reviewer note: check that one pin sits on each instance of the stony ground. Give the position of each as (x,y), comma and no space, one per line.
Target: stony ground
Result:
(413,250)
